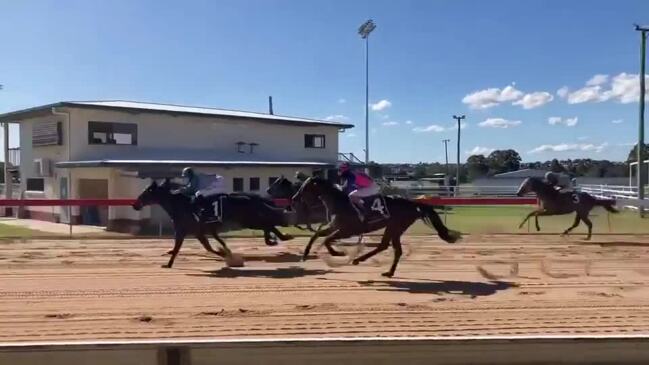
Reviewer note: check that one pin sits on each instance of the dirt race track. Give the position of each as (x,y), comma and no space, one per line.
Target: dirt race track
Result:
(484,286)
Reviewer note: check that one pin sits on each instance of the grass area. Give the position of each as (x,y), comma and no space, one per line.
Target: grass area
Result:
(8,230)
(505,219)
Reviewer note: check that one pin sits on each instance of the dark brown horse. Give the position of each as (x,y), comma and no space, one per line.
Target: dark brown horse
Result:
(240,211)
(555,202)
(307,212)
(346,221)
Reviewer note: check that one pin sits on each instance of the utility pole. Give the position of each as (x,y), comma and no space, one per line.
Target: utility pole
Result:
(457,170)
(364,31)
(446,141)
(640,150)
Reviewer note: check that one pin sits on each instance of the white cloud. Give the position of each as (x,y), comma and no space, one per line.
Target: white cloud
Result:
(337,118)
(431,128)
(566,147)
(585,94)
(478,150)
(617,121)
(534,100)
(623,88)
(342,101)
(598,79)
(381,105)
(563,92)
(390,123)
(488,98)
(408,122)
(499,123)
(350,135)
(384,116)
(568,122)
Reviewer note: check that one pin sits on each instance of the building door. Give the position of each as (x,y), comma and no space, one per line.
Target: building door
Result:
(93,189)
(63,194)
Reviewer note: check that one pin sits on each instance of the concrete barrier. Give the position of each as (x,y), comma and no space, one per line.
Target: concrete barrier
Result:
(357,351)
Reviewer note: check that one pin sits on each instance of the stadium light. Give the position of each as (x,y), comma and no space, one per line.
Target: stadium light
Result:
(364,31)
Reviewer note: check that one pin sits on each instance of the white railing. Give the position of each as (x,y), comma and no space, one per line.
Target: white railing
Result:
(461,191)
(626,196)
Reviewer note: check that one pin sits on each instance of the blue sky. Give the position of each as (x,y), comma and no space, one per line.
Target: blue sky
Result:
(502,63)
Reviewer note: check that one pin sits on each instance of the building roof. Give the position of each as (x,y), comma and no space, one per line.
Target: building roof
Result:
(521,174)
(197,163)
(169,109)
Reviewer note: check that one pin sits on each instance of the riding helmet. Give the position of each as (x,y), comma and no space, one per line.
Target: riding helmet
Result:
(188,172)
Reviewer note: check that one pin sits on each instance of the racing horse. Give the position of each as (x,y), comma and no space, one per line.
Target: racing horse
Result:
(307,212)
(346,221)
(555,202)
(241,211)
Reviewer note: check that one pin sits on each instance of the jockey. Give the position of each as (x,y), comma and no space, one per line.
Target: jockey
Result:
(552,179)
(357,185)
(200,188)
(300,177)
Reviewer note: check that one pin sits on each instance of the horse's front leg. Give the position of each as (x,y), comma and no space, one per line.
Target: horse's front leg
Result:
(280,235)
(179,237)
(318,234)
(533,213)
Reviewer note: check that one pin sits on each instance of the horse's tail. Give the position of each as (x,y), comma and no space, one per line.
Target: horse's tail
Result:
(607,204)
(431,218)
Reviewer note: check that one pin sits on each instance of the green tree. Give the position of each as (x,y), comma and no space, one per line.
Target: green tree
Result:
(504,161)
(477,166)
(420,171)
(633,154)
(557,167)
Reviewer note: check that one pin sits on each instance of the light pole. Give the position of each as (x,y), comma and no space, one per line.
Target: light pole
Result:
(640,150)
(459,127)
(446,141)
(364,32)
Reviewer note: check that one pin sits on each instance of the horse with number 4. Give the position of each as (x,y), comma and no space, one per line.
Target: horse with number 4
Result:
(395,214)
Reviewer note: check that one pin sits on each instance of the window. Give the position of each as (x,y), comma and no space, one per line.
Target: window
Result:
(237,184)
(112,133)
(314,141)
(36,184)
(254,184)
(272,180)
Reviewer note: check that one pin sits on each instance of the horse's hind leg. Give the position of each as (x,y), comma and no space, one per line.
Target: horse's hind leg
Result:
(574,225)
(179,237)
(536,223)
(396,246)
(533,213)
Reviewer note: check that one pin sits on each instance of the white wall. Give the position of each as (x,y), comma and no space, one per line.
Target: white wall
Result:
(164,136)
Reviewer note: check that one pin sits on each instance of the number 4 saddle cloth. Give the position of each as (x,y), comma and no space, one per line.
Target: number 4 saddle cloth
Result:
(375,209)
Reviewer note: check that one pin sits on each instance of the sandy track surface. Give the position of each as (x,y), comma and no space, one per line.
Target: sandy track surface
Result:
(485,285)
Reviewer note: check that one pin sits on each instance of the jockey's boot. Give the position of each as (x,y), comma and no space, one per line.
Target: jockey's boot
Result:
(360,208)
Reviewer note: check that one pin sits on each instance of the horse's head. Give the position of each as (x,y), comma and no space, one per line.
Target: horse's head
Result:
(311,190)
(529,185)
(151,194)
(280,188)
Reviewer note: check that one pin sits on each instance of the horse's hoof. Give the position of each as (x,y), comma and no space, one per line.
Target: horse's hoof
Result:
(336,253)
(587,238)
(387,274)
(271,243)
(165,266)
(288,237)
(170,252)
(355,262)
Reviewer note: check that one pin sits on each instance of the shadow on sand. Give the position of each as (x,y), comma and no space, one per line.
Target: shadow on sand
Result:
(469,288)
(279,273)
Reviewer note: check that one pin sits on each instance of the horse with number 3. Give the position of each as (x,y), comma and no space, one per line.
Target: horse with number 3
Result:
(395,214)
